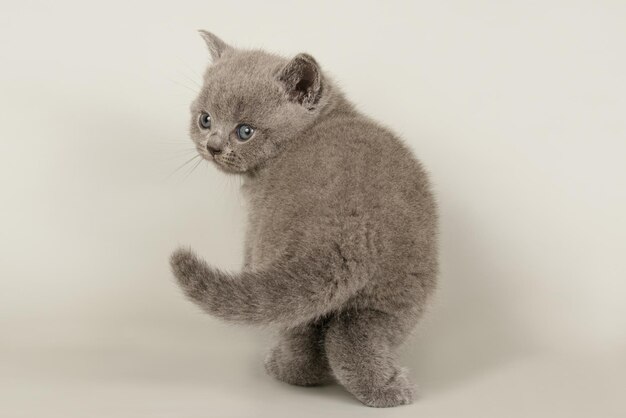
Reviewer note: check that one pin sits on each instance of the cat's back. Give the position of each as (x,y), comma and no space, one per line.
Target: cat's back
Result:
(355,184)
(351,168)
(354,159)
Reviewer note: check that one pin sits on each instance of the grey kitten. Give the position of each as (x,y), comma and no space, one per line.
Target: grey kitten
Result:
(341,242)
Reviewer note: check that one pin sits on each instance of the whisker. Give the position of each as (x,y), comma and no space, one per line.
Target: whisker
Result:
(183,85)
(189,67)
(191,79)
(192,170)
(184,164)
(172,154)
(175,151)
(174,157)
(179,142)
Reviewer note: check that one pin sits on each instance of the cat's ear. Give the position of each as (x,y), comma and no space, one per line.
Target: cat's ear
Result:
(217,47)
(302,79)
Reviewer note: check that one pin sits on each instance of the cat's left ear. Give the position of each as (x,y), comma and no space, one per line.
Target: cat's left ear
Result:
(217,47)
(302,79)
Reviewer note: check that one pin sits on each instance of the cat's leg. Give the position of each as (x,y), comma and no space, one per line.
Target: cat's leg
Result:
(359,347)
(298,357)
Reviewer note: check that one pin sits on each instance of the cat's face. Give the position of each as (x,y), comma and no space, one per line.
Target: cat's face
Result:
(251,104)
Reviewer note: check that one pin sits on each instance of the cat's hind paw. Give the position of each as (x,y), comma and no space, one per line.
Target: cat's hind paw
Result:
(399,391)
(296,371)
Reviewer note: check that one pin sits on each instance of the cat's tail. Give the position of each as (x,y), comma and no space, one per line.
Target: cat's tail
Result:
(296,291)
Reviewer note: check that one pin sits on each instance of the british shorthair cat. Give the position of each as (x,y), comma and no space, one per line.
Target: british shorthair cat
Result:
(341,241)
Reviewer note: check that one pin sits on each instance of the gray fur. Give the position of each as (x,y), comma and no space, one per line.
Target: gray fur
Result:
(341,248)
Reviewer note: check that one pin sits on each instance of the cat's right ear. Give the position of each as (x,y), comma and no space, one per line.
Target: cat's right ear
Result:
(217,47)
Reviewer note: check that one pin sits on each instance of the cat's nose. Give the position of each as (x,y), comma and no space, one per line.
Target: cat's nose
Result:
(213,151)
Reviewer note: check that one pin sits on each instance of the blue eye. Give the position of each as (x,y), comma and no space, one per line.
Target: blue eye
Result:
(244,132)
(204,120)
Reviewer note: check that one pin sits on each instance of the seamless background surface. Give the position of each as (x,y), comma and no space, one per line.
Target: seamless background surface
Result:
(516,108)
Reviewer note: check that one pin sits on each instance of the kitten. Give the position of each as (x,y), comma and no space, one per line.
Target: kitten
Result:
(341,244)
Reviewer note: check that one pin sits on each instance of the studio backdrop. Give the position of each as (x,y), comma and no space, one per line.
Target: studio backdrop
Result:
(517,110)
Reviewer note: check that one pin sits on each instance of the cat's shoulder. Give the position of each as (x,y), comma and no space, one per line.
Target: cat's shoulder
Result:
(354,145)
(353,134)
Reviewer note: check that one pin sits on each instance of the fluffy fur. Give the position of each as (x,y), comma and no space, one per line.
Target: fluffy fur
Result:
(340,249)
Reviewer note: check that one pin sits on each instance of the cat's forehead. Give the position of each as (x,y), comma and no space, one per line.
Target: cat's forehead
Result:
(242,84)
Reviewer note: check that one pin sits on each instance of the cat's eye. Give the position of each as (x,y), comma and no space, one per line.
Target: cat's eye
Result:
(204,120)
(244,132)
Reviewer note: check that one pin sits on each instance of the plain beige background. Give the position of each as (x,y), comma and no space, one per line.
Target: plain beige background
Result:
(516,107)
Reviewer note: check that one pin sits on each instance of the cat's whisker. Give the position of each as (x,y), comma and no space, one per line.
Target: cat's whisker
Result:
(174,157)
(179,142)
(176,151)
(186,154)
(179,147)
(191,79)
(184,85)
(190,67)
(184,164)
(173,154)
(192,169)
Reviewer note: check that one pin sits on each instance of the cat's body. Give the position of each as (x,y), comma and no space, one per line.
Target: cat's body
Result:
(341,241)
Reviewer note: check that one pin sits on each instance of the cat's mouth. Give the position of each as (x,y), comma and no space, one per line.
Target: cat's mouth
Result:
(228,162)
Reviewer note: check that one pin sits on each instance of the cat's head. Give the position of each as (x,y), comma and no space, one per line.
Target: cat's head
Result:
(252,103)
